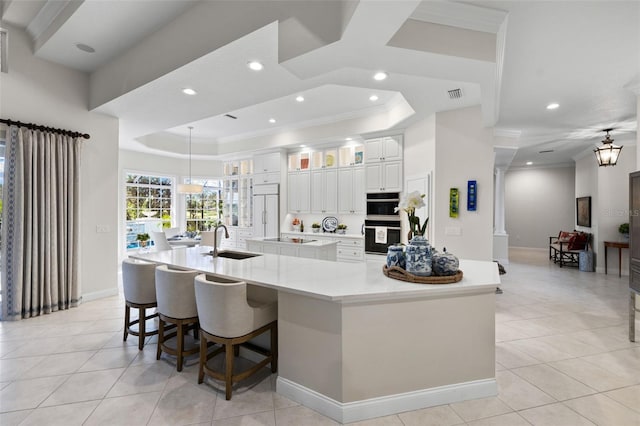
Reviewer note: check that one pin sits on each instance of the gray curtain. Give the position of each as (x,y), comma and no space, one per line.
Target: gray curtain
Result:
(40,223)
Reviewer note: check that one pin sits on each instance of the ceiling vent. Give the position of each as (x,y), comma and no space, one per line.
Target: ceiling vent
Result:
(545,151)
(455,94)
(231,116)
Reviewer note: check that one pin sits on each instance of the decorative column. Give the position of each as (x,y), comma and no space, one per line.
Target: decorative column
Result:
(498,211)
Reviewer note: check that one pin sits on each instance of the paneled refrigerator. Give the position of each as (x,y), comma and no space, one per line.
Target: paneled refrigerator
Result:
(266,210)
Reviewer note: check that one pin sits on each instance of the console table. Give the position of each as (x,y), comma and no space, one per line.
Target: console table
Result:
(615,244)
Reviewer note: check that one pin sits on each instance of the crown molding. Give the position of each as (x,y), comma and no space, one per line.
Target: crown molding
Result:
(460,15)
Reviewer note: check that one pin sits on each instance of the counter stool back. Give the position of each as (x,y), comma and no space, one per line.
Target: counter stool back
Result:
(229,318)
(139,286)
(176,306)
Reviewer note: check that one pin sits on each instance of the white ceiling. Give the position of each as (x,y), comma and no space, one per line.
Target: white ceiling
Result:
(583,55)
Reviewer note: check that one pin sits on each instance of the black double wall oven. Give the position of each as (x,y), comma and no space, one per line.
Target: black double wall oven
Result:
(382,224)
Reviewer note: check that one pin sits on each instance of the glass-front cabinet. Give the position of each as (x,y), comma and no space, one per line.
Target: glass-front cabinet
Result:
(325,159)
(351,155)
(237,194)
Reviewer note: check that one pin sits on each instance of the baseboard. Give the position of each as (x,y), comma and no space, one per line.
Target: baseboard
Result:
(386,405)
(87,297)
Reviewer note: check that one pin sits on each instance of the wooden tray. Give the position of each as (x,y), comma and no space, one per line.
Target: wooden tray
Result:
(400,274)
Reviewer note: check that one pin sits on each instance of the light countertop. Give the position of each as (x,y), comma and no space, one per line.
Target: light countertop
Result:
(309,241)
(323,234)
(334,281)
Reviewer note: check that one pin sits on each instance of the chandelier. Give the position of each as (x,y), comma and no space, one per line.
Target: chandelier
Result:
(607,154)
(189,188)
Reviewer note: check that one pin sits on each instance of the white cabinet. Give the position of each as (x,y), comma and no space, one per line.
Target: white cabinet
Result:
(350,248)
(324,188)
(351,190)
(237,238)
(266,207)
(351,155)
(299,161)
(384,177)
(298,192)
(388,148)
(324,159)
(266,168)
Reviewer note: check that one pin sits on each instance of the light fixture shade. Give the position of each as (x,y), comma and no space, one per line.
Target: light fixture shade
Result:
(189,188)
(608,153)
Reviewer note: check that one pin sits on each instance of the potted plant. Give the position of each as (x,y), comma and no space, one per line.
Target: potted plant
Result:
(342,228)
(142,239)
(315,226)
(624,230)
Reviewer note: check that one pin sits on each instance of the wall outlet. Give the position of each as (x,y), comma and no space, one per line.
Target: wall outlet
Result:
(452,230)
(102,229)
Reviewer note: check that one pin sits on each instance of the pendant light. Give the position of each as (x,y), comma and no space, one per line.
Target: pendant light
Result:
(189,188)
(607,154)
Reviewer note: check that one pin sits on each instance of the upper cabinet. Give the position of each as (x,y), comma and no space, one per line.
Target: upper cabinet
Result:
(266,168)
(299,161)
(351,155)
(238,167)
(324,159)
(387,148)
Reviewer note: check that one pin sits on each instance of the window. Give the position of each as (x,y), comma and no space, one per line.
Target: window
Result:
(204,211)
(149,197)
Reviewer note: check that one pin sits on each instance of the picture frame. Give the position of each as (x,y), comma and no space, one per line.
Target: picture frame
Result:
(583,211)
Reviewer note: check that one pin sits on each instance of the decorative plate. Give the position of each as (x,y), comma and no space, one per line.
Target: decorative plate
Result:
(329,224)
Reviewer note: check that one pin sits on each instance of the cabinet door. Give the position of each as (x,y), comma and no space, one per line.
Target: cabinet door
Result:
(272,216)
(271,162)
(374,177)
(299,197)
(292,189)
(258,216)
(330,191)
(392,148)
(317,191)
(358,190)
(392,176)
(373,150)
(345,190)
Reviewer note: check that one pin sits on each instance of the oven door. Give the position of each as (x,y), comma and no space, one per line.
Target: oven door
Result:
(370,244)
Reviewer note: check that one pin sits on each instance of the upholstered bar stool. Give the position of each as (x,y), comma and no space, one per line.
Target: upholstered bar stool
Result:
(177,306)
(139,285)
(229,318)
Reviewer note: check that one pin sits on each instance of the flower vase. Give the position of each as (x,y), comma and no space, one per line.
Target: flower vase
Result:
(396,257)
(418,256)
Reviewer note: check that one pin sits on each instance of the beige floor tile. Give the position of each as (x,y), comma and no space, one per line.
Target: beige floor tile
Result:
(553,382)
(570,345)
(511,419)
(57,364)
(13,418)
(130,410)
(142,378)
(538,350)
(244,401)
(280,401)
(87,342)
(84,387)
(61,415)
(43,346)
(110,358)
(519,394)
(554,414)
(184,402)
(266,418)
(380,421)
(604,411)
(25,394)
(529,328)
(14,368)
(592,375)
(475,409)
(296,416)
(620,362)
(629,396)
(442,415)
(511,357)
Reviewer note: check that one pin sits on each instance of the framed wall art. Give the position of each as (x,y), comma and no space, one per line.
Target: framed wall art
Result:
(583,211)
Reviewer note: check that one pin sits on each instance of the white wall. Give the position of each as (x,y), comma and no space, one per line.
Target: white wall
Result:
(35,90)
(464,151)
(167,166)
(538,204)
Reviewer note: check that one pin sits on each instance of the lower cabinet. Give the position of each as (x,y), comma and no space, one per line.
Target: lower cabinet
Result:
(322,252)
(237,238)
(350,248)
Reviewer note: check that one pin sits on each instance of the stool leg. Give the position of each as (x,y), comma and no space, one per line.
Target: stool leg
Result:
(141,328)
(127,318)
(274,347)
(180,345)
(203,357)
(160,337)
(228,372)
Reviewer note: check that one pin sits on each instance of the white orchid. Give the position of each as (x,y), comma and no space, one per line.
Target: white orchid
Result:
(409,203)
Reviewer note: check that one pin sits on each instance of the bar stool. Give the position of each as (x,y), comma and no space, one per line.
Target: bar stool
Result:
(176,306)
(139,285)
(229,318)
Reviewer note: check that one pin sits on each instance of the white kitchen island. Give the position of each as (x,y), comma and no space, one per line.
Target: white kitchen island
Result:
(354,344)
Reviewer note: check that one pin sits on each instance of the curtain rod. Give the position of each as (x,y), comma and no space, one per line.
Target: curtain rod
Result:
(44,128)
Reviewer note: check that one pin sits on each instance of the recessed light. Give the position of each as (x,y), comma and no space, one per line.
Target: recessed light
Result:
(348,139)
(379,76)
(85,48)
(303,146)
(373,98)
(255,65)
(300,98)
(188,91)
(553,106)
(529,163)
(272,120)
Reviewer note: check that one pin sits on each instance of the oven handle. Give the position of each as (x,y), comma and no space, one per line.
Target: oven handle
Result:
(393,228)
(378,200)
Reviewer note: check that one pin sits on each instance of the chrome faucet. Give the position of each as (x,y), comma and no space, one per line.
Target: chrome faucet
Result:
(215,238)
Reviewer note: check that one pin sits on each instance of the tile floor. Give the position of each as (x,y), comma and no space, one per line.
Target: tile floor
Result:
(562,358)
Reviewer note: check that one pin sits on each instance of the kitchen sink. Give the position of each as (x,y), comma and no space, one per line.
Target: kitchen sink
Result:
(235,254)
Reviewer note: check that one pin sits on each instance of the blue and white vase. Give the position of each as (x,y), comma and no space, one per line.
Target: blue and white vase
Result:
(445,263)
(396,257)
(419,257)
